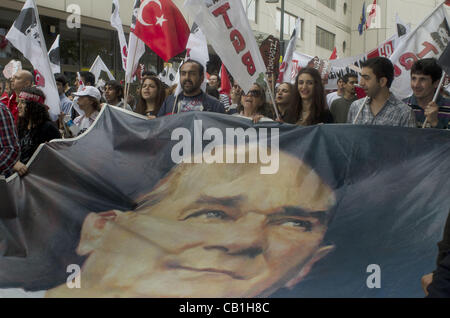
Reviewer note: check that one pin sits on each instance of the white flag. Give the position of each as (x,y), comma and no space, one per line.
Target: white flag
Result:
(226,27)
(53,56)
(428,39)
(136,48)
(26,36)
(287,68)
(116,23)
(168,75)
(196,49)
(98,66)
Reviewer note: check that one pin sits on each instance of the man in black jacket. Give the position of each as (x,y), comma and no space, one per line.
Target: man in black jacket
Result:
(437,284)
(192,98)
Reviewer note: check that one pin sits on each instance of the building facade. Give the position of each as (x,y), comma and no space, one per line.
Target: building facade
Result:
(325,24)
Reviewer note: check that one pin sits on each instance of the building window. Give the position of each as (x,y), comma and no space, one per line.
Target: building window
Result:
(329,3)
(250,6)
(289,24)
(325,39)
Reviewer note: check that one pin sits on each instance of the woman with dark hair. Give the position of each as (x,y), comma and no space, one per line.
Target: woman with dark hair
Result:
(310,94)
(254,103)
(34,125)
(151,97)
(287,103)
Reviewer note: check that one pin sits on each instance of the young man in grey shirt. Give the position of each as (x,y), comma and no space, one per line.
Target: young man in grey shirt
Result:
(340,107)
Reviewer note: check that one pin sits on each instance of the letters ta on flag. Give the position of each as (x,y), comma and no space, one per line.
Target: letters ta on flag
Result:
(226,27)
(27,37)
(161,26)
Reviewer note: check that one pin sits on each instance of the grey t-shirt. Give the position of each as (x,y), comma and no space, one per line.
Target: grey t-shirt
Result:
(339,109)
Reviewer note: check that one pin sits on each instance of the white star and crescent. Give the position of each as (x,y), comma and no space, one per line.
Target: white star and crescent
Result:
(159,20)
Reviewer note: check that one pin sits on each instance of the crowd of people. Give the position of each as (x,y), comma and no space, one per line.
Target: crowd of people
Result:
(25,122)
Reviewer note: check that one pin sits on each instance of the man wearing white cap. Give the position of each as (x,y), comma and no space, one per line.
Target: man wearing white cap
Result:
(89,102)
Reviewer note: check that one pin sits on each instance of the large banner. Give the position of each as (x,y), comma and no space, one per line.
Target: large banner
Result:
(180,206)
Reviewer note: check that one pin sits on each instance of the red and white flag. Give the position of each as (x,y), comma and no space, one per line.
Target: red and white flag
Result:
(225,84)
(116,23)
(136,47)
(27,37)
(288,69)
(334,55)
(372,14)
(162,27)
(226,27)
(428,39)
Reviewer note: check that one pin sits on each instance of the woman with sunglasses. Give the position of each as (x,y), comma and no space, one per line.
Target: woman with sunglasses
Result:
(253,104)
(151,97)
(310,94)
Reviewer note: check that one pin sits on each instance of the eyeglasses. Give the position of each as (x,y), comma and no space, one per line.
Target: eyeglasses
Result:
(254,93)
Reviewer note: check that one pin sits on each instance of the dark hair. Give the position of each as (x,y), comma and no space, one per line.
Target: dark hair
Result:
(347,77)
(89,78)
(428,67)
(62,79)
(95,103)
(319,105)
(215,74)
(117,87)
(201,69)
(148,73)
(292,113)
(212,91)
(141,106)
(35,113)
(381,67)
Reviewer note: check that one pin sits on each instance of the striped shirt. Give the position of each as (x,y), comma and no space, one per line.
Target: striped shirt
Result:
(9,142)
(443,114)
(393,113)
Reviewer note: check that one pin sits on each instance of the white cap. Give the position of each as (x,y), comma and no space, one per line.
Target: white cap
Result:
(89,91)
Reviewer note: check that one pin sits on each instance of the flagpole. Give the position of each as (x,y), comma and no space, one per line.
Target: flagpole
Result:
(127,87)
(272,99)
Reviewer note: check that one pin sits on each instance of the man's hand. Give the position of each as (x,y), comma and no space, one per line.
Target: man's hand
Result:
(426,281)
(20,168)
(151,117)
(431,113)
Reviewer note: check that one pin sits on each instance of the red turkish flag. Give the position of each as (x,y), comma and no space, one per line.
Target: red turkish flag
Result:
(334,54)
(161,26)
(225,84)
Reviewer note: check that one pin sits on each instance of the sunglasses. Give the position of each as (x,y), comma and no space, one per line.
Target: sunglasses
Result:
(254,93)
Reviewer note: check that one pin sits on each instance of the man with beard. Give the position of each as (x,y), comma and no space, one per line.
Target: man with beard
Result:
(192,98)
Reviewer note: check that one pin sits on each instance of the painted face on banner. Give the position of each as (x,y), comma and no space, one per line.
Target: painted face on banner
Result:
(209,230)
